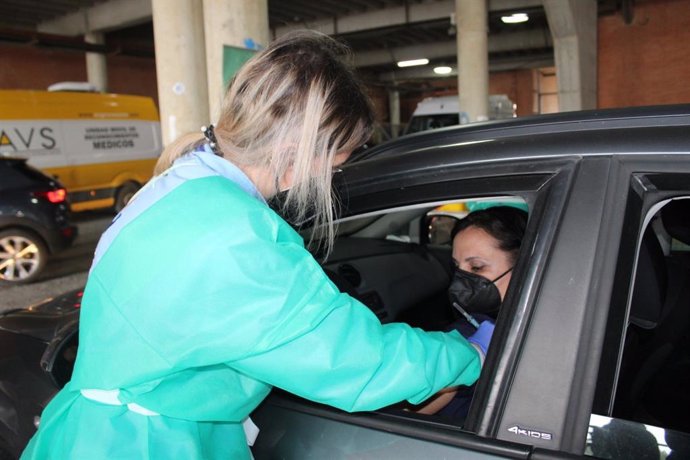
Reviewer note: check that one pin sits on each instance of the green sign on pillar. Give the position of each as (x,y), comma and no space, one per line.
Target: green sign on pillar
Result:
(233,59)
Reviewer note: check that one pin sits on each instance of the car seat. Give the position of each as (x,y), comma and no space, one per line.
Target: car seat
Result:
(649,296)
(676,219)
(666,398)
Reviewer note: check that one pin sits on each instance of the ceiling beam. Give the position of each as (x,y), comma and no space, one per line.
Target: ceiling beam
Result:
(103,17)
(515,41)
(396,16)
(495,65)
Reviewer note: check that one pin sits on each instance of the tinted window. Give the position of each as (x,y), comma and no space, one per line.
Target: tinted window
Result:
(611,438)
(651,397)
(15,174)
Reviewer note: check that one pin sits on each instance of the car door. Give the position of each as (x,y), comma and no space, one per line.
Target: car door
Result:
(641,403)
(294,428)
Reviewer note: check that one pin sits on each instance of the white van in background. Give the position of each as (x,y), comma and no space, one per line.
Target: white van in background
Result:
(101,147)
(439,112)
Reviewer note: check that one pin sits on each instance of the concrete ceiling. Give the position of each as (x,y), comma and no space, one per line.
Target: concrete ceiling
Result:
(380,32)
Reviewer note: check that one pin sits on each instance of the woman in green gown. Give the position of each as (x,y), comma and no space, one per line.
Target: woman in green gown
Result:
(201,298)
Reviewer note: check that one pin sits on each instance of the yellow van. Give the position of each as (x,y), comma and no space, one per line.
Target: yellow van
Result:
(101,147)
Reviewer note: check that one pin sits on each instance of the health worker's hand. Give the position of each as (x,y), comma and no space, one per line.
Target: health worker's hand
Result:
(482,337)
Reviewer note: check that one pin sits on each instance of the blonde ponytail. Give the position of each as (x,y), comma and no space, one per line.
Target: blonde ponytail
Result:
(295,106)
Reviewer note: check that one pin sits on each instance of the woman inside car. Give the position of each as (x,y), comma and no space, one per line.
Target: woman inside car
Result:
(485,249)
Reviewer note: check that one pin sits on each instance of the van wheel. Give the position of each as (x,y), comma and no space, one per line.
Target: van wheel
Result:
(22,256)
(124,194)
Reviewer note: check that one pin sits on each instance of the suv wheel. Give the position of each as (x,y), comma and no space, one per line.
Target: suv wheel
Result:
(22,256)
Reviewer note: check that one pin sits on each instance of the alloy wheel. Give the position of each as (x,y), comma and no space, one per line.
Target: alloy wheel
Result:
(21,257)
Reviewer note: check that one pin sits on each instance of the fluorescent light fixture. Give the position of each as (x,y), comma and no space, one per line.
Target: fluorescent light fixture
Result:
(442,70)
(515,18)
(413,62)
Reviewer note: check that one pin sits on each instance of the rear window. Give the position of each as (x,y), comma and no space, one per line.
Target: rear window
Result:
(17,174)
(427,122)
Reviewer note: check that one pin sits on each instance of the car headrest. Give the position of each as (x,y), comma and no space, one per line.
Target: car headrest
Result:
(649,293)
(676,219)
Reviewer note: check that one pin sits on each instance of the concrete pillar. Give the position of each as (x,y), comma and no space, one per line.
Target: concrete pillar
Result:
(394,112)
(238,23)
(96,66)
(573,25)
(473,58)
(180,66)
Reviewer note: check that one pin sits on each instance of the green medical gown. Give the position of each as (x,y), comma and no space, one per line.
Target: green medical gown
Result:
(203,303)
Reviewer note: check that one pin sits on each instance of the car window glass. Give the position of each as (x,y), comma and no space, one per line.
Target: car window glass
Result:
(611,438)
(654,373)
(9,177)
(679,246)
(15,174)
(302,435)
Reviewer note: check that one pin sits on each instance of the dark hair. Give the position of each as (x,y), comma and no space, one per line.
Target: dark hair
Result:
(505,223)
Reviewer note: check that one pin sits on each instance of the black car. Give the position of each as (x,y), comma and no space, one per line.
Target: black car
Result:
(34,221)
(591,352)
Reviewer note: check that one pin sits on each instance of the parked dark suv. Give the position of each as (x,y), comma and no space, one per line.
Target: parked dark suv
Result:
(34,221)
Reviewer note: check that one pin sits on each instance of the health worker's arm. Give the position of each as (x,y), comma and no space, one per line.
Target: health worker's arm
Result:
(253,298)
(328,347)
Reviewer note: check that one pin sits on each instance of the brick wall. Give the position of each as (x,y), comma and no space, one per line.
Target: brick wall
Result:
(133,75)
(30,67)
(517,85)
(648,61)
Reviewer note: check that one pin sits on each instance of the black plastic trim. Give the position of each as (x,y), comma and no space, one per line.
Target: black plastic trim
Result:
(411,425)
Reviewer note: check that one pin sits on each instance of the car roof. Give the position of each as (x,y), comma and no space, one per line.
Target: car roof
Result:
(570,125)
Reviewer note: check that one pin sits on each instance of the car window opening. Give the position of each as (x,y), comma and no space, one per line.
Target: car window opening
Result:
(401,262)
(655,370)
(651,399)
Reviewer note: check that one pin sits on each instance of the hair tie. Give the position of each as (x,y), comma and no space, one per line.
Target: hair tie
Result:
(210,136)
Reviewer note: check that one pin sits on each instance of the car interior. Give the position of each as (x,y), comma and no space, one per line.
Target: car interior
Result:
(655,369)
(381,261)
(399,263)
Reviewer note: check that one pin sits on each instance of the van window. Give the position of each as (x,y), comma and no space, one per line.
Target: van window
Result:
(426,122)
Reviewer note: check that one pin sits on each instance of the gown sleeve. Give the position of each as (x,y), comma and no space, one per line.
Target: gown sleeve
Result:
(286,324)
